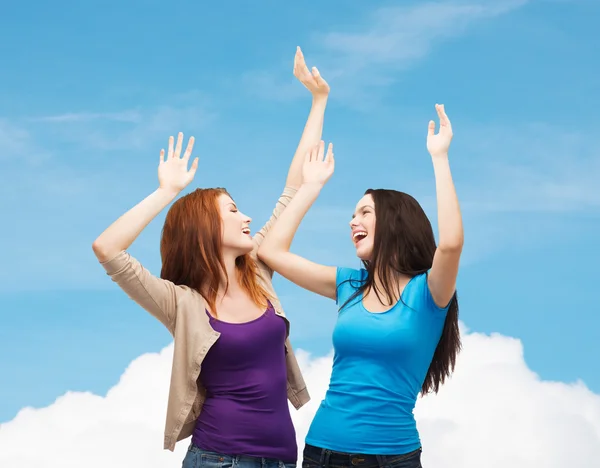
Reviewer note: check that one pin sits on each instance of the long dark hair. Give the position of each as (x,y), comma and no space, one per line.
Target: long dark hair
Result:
(191,251)
(404,244)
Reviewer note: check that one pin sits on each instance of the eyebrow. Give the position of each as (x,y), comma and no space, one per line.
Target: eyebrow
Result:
(232,204)
(362,208)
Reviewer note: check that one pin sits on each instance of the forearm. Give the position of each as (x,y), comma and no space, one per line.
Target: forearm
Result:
(313,130)
(280,236)
(121,234)
(450,227)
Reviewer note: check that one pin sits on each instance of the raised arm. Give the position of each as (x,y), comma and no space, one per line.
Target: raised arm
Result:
(313,129)
(444,271)
(154,294)
(311,136)
(275,250)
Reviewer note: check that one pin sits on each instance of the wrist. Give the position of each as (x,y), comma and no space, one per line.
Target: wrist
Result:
(319,99)
(167,193)
(311,187)
(439,156)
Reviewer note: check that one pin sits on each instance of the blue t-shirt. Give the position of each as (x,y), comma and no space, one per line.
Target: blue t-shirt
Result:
(379,365)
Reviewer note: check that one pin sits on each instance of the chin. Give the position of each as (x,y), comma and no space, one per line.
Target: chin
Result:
(363,254)
(247,247)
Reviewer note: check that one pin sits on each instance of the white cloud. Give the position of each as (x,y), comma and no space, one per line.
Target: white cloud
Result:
(495,412)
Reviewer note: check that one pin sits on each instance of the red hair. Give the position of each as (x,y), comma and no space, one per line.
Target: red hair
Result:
(191,251)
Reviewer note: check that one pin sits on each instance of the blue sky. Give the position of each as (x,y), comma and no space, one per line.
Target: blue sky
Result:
(89,93)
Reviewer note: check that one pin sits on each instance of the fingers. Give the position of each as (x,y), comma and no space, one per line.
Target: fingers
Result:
(321,150)
(314,154)
(162,156)
(170,153)
(300,67)
(311,154)
(329,155)
(178,146)
(188,150)
(317,153)
(441,112)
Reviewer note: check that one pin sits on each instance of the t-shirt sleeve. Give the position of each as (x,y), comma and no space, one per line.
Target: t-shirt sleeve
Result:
(426,297)
(347,280)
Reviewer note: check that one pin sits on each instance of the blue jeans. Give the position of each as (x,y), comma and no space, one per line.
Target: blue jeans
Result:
(315,457)
(198,458)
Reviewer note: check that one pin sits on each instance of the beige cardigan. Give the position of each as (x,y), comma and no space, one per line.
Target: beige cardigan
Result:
(182,311)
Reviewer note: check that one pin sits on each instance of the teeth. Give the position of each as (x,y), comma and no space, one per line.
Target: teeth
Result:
(246,231)
(360,234)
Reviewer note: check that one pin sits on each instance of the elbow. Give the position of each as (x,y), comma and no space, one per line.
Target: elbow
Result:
(453,246)
(269,254)
(265,252)
(101,251)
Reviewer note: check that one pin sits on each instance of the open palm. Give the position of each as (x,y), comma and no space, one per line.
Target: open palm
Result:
(438,144)
(173,173)
(316,169)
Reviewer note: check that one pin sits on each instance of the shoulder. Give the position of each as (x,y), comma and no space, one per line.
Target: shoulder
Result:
(347,282)
(344,275)
(419,294)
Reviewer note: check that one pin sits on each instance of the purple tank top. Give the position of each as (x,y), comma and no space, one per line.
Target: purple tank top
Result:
(246,410)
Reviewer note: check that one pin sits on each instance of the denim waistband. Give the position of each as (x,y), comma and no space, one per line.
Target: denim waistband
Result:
(327,457)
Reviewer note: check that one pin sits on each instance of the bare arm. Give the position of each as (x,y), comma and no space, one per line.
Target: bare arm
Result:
(444,271)
(121,234)
(275,250)
(318,87)
(173,177)
(154,294)
(310,136)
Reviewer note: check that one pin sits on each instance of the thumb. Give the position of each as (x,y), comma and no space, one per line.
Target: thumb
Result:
(431,128)
(192,171)
(316,74)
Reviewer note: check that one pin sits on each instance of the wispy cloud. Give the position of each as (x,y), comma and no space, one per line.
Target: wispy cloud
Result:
(391,39)
(127,129)
(398,35)
(131,116)
(16,142)
(535,168)
(523,182)
(54,193)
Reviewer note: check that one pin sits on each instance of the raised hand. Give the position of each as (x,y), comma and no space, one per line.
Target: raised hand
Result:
(313,81)
(317,170)
(438,145)
(173,173)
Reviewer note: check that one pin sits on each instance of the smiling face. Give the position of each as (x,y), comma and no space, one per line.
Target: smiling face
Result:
(236,235)
(363,227)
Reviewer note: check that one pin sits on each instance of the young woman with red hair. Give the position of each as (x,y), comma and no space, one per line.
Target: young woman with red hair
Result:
(233,366)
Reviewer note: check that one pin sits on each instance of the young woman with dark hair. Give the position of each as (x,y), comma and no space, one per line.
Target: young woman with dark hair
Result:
(397,329)
(234,369)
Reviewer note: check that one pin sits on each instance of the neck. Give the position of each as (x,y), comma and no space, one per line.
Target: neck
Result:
(397,285)
(230,286)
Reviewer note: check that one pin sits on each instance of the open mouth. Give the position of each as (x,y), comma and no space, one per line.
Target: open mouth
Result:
(246,231)
(358,236)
